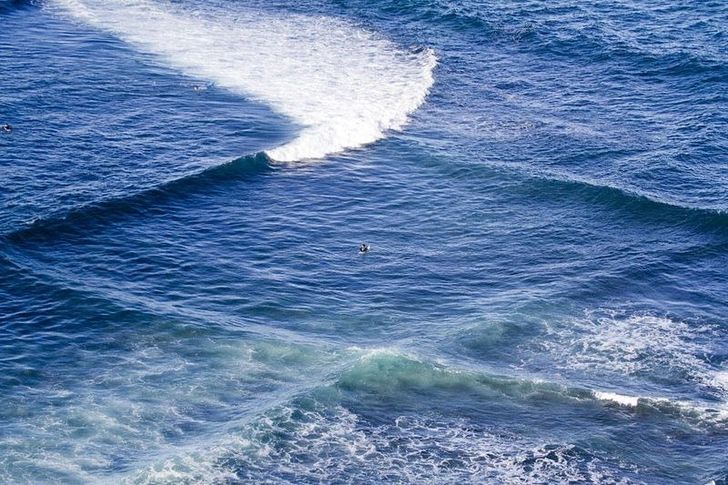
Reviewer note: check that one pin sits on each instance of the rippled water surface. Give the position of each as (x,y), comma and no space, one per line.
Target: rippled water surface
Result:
(185,185)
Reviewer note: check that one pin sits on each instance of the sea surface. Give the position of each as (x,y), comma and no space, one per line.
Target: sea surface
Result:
(186,183)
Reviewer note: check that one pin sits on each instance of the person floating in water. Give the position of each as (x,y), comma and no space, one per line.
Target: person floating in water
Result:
(363,248)
(6,127)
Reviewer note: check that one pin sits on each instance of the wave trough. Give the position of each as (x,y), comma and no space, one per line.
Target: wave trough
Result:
(343,86)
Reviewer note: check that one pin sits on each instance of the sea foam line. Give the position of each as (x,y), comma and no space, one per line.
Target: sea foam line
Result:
(344,86)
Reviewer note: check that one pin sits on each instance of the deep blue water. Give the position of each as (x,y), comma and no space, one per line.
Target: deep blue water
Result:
(544,186)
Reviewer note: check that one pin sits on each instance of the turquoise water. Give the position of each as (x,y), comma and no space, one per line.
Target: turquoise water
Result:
(186,185)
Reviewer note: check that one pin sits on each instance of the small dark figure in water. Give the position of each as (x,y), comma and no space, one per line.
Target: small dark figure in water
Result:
(6,127)
(363,248)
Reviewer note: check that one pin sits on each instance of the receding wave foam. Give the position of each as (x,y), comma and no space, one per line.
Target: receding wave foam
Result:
(344,86)
(332,445)
(357,429)
(331,434)
(639,349)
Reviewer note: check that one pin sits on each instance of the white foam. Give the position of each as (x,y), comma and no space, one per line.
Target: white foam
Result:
(331,445)
(643,351)
(343,85)
(720,381)
(618,398)
(635,346)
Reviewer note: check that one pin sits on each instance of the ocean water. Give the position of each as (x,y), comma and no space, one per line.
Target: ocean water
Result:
(544,186)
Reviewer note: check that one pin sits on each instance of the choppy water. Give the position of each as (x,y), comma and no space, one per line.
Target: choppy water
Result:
(544,186)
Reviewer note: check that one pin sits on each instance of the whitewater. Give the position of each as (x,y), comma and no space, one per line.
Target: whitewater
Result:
(343,86)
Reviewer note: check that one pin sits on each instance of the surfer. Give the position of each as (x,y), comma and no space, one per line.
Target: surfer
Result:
(6,127)
(363,248)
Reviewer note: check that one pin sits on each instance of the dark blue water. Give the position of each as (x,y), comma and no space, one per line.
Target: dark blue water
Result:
(185,185)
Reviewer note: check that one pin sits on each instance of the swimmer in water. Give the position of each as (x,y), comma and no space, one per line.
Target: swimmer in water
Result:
(363,248)
(6,127)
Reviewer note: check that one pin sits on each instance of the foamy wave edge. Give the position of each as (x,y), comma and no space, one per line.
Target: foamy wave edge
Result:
(716,415)
(343,86)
